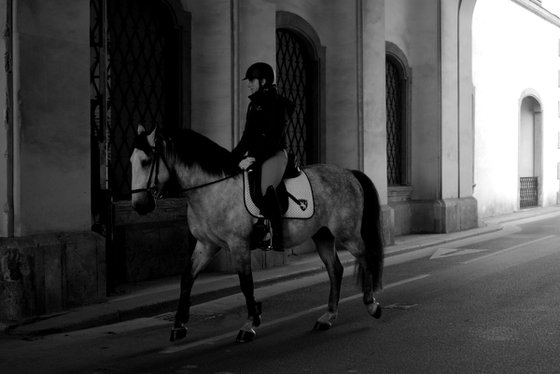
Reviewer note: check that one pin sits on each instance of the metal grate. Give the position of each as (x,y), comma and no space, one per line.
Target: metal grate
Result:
(98,83)
(394,92)
(140,85)
(293,81)
(529,192)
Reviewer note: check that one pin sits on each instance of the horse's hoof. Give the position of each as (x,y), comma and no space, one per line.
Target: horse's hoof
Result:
(325,322)
(321,326)
(245,336)
(178,333)
(377,313)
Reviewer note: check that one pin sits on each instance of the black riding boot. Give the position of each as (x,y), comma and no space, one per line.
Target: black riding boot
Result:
(274,214)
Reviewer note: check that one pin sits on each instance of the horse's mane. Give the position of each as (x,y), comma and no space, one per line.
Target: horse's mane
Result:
(190,148)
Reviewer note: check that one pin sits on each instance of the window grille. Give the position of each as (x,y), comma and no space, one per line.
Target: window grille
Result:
(395,126)
(529,192)
(140,84)
(294,82)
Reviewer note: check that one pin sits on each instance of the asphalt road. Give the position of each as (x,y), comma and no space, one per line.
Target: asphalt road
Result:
(488,304)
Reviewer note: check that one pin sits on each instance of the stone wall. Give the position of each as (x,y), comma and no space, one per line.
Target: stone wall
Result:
(44,274)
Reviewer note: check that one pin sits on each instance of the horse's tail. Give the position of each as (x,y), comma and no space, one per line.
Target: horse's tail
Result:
(372,234)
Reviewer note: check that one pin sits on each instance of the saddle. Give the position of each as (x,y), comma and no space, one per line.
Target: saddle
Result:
(294,193)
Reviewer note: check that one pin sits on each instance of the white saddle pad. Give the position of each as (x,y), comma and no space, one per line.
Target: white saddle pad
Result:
(299,188)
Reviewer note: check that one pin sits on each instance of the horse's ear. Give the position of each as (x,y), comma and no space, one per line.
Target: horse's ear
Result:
(141,129)
(152,137)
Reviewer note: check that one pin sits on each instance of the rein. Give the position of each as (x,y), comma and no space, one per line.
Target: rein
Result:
(210,183)
(155,167)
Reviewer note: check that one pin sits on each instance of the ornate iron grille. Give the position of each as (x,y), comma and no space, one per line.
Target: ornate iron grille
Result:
(293,81)
(529,192)
(99,115)
(97,68)
(137,45)
(394,100)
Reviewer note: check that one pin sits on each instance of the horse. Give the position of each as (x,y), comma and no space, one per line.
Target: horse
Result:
(347,216)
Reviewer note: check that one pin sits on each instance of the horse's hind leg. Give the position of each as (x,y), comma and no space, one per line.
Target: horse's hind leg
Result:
(365,276)
(324,241)
(372,306)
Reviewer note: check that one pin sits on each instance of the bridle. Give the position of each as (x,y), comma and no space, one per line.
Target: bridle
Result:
(157,151)
(154,170)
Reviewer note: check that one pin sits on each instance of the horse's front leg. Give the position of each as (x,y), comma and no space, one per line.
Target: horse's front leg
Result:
(202,255)
(324,242)
(254,309)
(247,332)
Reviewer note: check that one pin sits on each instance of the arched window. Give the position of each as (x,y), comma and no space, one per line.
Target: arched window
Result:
(397,97)
(395,138)
(294,83)
(299,76)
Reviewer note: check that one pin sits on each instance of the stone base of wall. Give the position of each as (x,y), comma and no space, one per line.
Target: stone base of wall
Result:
(156,245)
(224,262)
(388,224)
(434,216)
(261,259)
(44,274)
(151,246)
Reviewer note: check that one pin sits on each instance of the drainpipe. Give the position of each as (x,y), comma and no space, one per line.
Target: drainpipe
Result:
(9,116)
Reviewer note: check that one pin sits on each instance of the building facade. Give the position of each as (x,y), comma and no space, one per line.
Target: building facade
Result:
(516,73)
(381,86)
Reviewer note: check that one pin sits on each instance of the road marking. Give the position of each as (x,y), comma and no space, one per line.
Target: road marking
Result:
(400,306)
(449,252)
(510,248)
(214,339)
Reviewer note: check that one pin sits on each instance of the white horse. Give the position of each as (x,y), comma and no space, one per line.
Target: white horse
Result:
(347,216)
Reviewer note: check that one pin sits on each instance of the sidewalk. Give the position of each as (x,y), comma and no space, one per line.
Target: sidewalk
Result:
(156,297)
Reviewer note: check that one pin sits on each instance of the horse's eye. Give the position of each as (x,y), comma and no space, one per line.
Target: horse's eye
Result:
(145,163)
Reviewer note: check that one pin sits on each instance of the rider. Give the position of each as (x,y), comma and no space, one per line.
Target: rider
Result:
(263,142)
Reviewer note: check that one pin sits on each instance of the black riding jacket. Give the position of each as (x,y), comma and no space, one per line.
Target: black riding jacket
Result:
(265,127)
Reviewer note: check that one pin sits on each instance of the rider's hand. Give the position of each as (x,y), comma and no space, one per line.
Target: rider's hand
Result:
(246,163)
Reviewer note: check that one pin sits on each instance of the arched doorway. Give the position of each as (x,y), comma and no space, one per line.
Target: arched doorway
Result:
(530,152)
(135,79)
(298,77)
(138,75)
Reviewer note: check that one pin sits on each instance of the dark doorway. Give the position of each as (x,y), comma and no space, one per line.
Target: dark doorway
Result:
(137,77)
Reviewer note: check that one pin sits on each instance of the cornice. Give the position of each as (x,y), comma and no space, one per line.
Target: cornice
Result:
(536,7)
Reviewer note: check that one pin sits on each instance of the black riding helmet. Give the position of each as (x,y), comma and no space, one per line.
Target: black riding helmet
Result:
(260,70)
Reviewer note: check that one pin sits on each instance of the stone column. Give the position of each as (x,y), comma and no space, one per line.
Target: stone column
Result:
(6,131)
(53,261)
(371,99)
(211,68)
(456,209)
(52,165)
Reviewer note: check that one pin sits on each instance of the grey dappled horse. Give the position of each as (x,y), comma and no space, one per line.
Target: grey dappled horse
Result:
(347,216)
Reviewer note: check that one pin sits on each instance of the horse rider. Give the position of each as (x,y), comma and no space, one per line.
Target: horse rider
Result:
(262,147)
